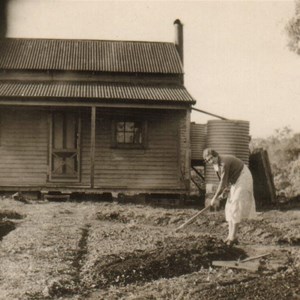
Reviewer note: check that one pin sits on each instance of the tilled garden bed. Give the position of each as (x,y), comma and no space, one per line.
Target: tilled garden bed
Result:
(174,258)
(90,250)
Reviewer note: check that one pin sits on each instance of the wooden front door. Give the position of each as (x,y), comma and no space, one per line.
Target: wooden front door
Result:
(65,147)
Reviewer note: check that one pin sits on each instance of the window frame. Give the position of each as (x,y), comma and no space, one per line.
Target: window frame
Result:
(144,128)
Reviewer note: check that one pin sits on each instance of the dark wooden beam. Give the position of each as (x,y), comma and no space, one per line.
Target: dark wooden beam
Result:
(86,103)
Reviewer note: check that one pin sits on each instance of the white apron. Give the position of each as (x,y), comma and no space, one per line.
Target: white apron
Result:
(240,203)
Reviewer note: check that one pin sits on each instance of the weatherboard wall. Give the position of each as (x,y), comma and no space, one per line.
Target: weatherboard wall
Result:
(156,166)
(23,147)
(160,166)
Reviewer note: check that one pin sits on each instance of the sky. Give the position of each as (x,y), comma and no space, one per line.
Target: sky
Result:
(236,60)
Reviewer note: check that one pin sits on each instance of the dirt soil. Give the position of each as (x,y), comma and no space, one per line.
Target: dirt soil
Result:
(105,250)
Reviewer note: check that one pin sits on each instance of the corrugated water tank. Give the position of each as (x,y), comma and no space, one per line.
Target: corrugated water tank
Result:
(227,137)
(198,137)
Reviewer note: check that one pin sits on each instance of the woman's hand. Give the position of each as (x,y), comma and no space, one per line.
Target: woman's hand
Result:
(214,202)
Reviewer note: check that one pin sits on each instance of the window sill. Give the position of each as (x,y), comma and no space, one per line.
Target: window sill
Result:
(129,146)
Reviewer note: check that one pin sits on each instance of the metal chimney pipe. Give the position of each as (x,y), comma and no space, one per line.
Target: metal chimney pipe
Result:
(179,38)
(3,18)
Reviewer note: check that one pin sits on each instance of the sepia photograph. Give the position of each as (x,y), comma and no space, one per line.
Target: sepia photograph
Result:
(149,149)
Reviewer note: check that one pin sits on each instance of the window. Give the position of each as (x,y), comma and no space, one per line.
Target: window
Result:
(129,134)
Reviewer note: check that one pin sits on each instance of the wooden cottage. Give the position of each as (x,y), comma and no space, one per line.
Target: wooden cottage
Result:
(94,116)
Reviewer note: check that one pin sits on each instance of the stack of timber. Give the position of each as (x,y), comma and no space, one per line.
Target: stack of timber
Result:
(264,189)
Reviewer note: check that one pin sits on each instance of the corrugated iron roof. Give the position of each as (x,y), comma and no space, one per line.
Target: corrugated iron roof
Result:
(89,55)
(93,90)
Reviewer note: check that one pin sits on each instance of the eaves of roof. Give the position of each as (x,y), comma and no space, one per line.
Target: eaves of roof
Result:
(83,91)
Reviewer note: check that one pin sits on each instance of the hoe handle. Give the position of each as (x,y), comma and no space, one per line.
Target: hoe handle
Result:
(254,257)
(190,220)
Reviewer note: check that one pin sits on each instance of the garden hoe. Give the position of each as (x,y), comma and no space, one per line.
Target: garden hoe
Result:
(193,218)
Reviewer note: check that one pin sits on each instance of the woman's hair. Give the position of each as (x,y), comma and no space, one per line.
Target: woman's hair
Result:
(210,152)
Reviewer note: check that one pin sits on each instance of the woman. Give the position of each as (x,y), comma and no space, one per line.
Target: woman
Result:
(240,203)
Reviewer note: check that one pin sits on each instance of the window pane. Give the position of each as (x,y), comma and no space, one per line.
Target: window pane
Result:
(129,137)
(129,126)
(120,137)
(120,126)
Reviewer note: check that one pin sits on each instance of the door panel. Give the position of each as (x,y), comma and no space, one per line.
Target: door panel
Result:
(65,147)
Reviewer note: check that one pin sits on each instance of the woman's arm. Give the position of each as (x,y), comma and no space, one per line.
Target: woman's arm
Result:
(222,185)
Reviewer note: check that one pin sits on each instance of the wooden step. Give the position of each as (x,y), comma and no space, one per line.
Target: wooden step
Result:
(57,197)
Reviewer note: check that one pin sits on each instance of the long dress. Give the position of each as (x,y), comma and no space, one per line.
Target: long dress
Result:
(241,203)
